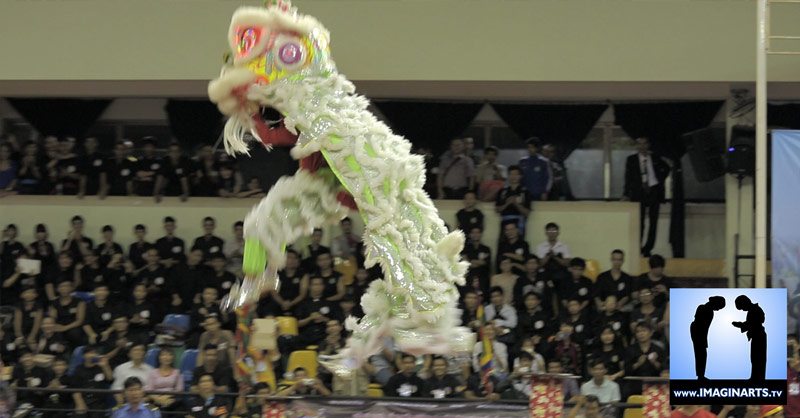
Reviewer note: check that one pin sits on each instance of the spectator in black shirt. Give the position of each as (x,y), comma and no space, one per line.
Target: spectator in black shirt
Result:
(469,311)
(294,284)
(334,285)
(441,384)
(476,389)
(14,285)
(30,176)
(76,244)
(655,280)
(70,314)
(206,173)
(139,247)
(229,183)
(58,380)
(189,276)
(44,251)
(89,273)
(513,247)
(314,314)
(610,316)
(479,257)
(513,203)
(28,317)
(119,277)
(532,319)
(10,250)
(578,286)
(221,278)
(614,282)
(305,385)
(68,169)
(220,371)
(209,243)
(159,286)
(99,316)
(146,168)
(120,170)
(315,248)
(141,312)
(27,375)
(49,341)
(406,383)
(172,178)
(533,281)
(108,247)
(65,271)
(611,351)
(469,216)
(648,312)
(171,249)
(206,404)
(121,339)
(578,318)
(643,357)
(94,179)
(93,373)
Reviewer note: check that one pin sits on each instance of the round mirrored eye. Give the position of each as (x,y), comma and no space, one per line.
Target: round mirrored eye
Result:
(290,53)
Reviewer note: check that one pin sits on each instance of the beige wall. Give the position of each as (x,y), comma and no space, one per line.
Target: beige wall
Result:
(527,40)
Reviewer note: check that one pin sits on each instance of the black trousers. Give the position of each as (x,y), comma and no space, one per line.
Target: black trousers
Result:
(649,206)
(455,193)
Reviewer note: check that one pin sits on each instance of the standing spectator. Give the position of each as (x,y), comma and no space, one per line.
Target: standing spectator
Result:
(535,172)
(172,177)
(229,183)
(234,249)
(221,372)
(120,169)
(10,250)
(645,174)
(559,182)
(499,351)
(505,280)
(209,243)
(108,248)
(614,282)
(655,280)
(8,171)
(171,249)
(70,314)
(469,216)
(134,367)
(406,383)
(76,244)
(469,150)
(345,245)
(30,177)
(456,172)
(137,250)
(305,385)
(93,373)
(513,247)
(489,175)
(431,170)
(441,384)
(147,167)
(94,178)
(206,404)
(28,317)
(68,169)
(600,385)
(553,253)
(513,203)
(479,257)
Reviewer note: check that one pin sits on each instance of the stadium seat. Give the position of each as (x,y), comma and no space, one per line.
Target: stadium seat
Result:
(188,363)
(374,392)
(151,357)
(347,268)
(592,269)
(179,322)
(287,325)
(75,360)
(636,399)
(84,296)
(306,359)
(632,413)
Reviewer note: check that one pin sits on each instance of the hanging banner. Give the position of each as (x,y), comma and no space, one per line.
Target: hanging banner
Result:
(785,227)
(418,408)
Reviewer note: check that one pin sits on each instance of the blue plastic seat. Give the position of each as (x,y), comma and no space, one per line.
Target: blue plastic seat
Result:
(84,296)
(76,360)
(178,322)
(188,363)
(151,357)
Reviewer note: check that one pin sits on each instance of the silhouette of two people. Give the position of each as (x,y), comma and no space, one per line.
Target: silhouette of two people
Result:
(753,326)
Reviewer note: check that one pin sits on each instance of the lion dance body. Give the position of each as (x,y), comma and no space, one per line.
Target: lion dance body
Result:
(281,59)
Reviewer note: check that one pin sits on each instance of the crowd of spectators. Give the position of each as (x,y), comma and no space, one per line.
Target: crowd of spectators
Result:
(56,166)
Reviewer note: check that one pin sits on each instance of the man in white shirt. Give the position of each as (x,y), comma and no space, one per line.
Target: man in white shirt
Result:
(499,350)
(500,313)
(601,386)
(136,367)
(553,254)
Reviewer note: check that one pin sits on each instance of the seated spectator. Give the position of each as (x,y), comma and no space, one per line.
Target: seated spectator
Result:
(293,289)
(314,314)
(67,169)
(513,247)
(134,367)
(578,318)
(701,411)
(254,189)
(9,351)
(107,248)
(647,312)
(406,383)
(220,338)
(568,354)
(141,312)
(334,285)
(502,315)
(553,254)
(120,168)
(442,384)
(469,311)
(119,277)
(209,243)
(479,258)
(48,341)
(234,249)
(229,183)
(70,314)
(334,340)
(605,389)
(99,316)
(614,282)
(221,372)
(171,249)
(59,380)
(89,274)
(65,271)
(159,287)
(643,358)
(456,173)
(8,171)
(44,251)
(137,250)
(13,286)
(537,363)
(520,377)
(345,245)
(513,203)
(469,216)
(486,387)
(10,250)
(165,378)
(655,280)
(172,177)
(533,319)
(534,282)
(208,305)
(576,286)
(206,404)
(609,316)
(499,352)
(220,278)
(30,177)
(314,249)
(76,244)
(146,169)
(204,182)
(381,366)
(359,286)
(611,352)
(27,375)
(304,385)
(93,373)
(94,178)
(256,404)
(505,280)
(121,339)
(535,171)
(586,407)
(190,276)
(28,317)
(569,387)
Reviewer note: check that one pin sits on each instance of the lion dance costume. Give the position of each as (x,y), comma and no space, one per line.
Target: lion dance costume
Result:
(348,160)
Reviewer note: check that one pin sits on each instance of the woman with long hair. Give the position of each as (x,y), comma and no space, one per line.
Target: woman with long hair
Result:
(165,378)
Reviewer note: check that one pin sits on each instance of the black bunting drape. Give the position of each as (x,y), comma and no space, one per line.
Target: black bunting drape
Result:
(60,117)
(194,122)
(664,123)
(430,124)
(784,115)
(564,125)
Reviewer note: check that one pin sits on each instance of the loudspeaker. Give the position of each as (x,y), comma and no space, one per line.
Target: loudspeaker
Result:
(742,151)
(706,148)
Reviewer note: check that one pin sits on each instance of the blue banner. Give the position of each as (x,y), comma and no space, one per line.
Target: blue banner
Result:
(785,221)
